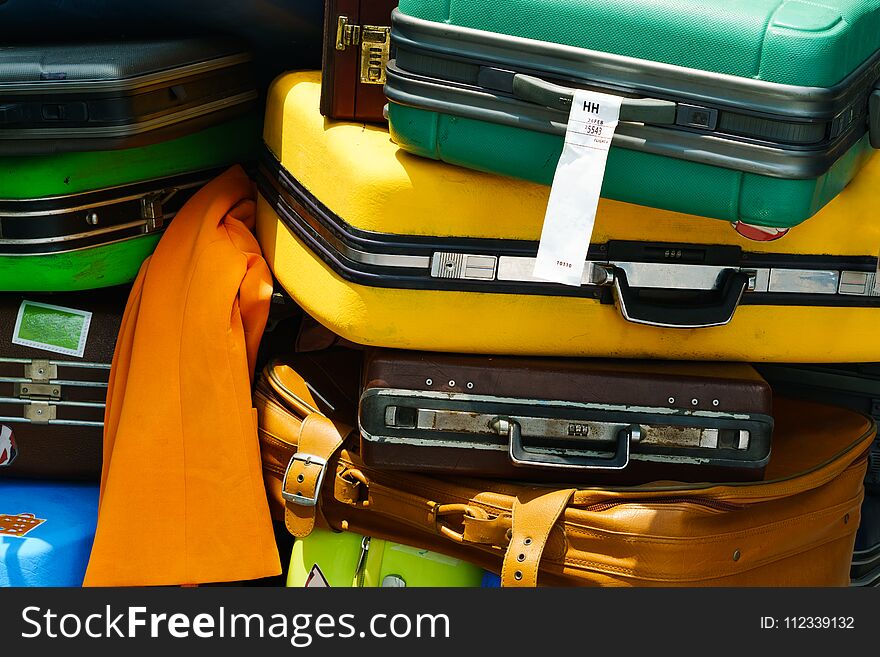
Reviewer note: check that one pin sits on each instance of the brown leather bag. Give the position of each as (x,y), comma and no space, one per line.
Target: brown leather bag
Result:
(795,528)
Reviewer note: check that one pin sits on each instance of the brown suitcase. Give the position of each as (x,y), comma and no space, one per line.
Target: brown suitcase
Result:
(586,420)
(795,528)
(356,49)
(51,404)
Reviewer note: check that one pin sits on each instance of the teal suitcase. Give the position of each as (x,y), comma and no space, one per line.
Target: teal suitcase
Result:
(757,112)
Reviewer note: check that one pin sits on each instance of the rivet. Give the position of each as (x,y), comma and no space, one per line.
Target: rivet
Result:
(470,385)
(521,557)
(428,382)
(300,478)
(451,383)
(846,519)
(55,391)
(736,555)
(527,541)
(517,575)
(672,400)
(715,402)
(24,389)
(39,411)
(40,371)
(694,402)
(92,218)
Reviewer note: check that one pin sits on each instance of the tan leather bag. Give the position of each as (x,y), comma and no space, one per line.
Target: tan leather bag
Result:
(795,528)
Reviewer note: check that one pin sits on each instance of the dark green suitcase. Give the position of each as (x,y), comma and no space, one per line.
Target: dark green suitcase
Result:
(102,143)
(757,112)
(76,221)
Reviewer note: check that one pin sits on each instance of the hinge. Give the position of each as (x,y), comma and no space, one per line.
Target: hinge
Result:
(40,370)
(40,412)
(346,33)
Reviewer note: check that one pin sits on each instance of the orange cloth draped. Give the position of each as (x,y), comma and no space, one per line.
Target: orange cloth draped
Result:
(182,496)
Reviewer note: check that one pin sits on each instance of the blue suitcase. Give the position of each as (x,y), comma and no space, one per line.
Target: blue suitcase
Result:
(46,532)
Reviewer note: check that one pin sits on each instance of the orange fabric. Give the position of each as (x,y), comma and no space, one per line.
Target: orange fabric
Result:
(182,496)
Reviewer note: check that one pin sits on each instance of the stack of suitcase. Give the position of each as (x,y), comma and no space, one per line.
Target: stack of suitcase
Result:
(100,145)
(699,411)
(612,433)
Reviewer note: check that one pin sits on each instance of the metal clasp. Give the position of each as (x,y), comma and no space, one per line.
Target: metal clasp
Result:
(299,498)
(346,33)
(375,52)
(152,209)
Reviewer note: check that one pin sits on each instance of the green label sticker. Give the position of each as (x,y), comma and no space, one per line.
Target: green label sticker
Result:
(52,328)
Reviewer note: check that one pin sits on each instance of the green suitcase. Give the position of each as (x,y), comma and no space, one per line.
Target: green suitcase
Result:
(85,220)
(757,112)
(344,559)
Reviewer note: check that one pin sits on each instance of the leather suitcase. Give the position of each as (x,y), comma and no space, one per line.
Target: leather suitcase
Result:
(853,385)
(46,532)
(346,559)
(767,114)
(356,51)
(591,421)
(415,254)
(795,528)
(105,95)
(75,221)
(52,404)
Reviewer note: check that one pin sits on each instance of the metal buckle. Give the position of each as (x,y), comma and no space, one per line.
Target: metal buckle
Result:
(308,459)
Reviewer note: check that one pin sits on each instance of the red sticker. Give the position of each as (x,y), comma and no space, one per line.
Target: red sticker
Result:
(8,448)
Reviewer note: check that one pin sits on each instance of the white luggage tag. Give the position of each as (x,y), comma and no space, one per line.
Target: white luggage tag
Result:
(574,196)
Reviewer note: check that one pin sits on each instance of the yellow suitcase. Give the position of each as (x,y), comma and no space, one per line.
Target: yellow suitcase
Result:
(389,249)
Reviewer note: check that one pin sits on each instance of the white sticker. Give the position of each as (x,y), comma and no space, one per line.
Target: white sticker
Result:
(52,328)
(574,196)
(316,579)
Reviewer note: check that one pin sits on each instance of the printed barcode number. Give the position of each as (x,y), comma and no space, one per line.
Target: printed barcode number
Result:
(562,263)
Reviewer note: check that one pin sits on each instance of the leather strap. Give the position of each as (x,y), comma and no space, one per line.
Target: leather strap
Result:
(534,515)
(318,441)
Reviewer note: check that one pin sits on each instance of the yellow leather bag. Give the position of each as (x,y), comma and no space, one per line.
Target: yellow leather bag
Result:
(795,528)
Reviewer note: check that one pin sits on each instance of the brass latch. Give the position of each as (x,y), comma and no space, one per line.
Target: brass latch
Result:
(375,43)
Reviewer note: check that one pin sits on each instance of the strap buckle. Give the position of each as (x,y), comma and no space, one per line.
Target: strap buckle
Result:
(299,498)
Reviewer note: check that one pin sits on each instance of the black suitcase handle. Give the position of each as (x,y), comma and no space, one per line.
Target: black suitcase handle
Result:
(638,110)
(521,457)
(717,312)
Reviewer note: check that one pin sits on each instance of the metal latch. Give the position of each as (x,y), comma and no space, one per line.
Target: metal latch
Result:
(152,209)
(346,33)
(375,43)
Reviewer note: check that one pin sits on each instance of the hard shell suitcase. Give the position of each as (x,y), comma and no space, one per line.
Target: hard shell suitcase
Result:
(46,532)
(356,51)
(414,254)
(52,404)
(794,528)
(74,221)
(346,559)
(592,421)
(285,33)
(98,96)
(765,116)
